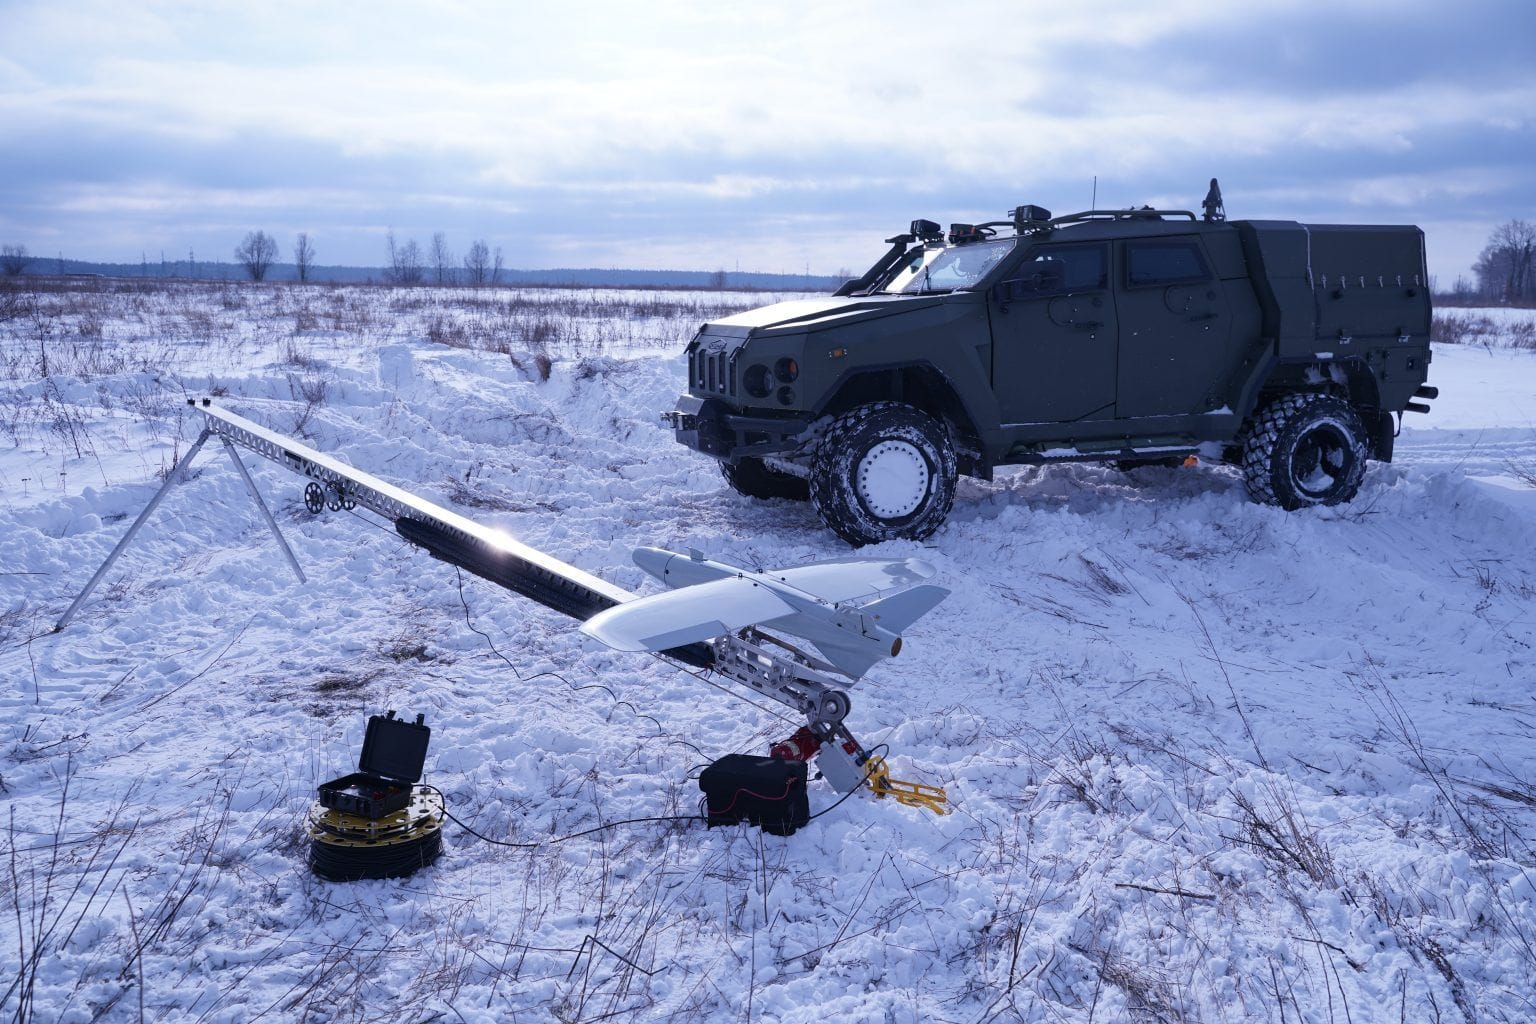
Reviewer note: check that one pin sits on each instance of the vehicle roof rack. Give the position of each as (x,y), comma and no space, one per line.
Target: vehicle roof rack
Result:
(1145,213)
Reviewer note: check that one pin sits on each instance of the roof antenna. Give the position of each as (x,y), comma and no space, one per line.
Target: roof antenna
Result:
(1094,205)
(1214,210)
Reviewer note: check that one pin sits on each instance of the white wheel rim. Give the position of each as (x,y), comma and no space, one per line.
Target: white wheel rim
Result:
(892,479)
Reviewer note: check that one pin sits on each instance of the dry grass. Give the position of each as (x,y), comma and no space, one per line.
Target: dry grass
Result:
(139,349)
(1470,327)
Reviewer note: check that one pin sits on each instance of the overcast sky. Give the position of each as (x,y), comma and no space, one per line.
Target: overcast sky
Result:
(779,137)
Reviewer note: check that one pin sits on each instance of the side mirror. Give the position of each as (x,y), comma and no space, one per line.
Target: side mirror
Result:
(1040,278)
(1048,278)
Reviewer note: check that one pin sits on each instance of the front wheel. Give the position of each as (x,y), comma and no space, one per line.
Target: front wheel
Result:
(1304,450)
(883,470)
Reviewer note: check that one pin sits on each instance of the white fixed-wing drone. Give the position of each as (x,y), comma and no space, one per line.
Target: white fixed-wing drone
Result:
(838,605)
(835,604)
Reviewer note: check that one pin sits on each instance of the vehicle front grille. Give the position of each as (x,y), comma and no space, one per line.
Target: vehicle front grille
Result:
(710,369)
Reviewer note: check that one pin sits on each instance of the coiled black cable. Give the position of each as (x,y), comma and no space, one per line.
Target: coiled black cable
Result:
(357,863)
(346,848)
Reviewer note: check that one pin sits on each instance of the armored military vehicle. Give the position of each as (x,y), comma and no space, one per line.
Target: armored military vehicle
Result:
(1127,336)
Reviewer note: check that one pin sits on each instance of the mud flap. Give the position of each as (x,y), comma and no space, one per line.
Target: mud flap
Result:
(1383,431)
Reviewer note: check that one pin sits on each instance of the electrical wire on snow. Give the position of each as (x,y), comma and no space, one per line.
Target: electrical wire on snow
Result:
(558,839)
(605,826)
(458,575)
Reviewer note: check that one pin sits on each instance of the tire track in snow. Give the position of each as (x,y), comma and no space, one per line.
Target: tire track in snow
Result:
(1489,452)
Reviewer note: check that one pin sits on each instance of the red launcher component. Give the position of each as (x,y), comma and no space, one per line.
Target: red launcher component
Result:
(802,746)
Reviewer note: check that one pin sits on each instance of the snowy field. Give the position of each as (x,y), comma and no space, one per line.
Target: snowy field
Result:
(1209,761)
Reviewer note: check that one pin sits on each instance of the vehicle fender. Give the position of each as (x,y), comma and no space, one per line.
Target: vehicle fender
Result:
(926,386)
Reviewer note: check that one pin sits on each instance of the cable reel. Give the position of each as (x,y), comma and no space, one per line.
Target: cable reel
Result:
(352,847)
(377,822)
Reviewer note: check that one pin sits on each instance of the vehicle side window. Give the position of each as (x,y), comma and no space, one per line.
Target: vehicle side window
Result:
(1054,269)
(1152,264)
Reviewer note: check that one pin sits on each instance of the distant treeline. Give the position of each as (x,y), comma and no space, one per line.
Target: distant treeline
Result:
(581,278)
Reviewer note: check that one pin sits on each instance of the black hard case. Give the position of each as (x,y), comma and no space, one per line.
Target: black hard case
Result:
(394,752)
(768,792)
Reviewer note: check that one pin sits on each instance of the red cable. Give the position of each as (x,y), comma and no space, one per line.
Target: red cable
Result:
(789,785)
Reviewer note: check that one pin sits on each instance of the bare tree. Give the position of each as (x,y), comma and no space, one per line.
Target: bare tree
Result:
(256,254)
(13,260)
(717,280)
(1505,269)
(404,262)
(477,262)
(303,255)
(442,259)
(496,267)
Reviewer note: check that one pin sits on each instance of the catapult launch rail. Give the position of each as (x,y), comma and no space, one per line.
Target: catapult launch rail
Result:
(749,658)
(441,531)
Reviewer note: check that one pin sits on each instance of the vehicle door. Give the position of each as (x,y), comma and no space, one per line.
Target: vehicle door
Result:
(1173,328)
(1053,336)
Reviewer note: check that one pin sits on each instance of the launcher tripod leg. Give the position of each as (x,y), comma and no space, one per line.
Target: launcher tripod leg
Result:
(171,479)
(250,487)
(174,477)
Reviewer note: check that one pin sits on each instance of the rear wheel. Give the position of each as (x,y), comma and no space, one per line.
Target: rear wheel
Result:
(1304,450)
(883,470)
(756,479)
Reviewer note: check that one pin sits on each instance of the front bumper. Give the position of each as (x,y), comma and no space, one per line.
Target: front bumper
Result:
(710,426)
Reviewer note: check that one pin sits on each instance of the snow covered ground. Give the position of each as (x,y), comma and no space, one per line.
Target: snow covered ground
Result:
(1209,761)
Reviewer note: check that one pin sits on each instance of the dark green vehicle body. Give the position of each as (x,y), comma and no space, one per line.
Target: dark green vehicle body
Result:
(1130,336)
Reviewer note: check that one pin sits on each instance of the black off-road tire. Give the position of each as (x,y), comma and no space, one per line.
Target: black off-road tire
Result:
(756,479)
(1304,450)
(883,470)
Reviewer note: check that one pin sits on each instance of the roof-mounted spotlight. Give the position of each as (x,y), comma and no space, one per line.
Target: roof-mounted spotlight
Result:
(1029,216)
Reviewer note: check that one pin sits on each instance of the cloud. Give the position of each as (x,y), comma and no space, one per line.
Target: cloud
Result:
(597,132)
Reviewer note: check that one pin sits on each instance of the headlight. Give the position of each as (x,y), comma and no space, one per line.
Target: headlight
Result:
(787,370)
(757,381)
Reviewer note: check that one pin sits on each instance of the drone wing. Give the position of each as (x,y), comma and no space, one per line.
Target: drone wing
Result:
(674,618)
(853,579)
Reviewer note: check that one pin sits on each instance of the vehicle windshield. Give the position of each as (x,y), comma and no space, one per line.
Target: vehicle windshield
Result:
(949,269)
